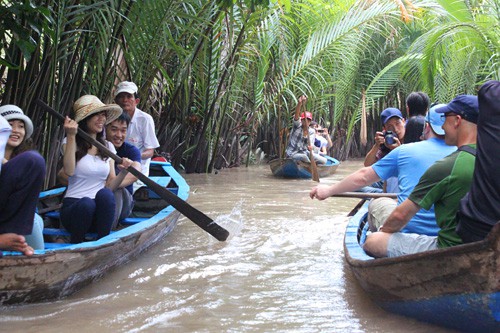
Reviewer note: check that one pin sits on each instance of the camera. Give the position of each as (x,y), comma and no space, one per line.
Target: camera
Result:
(389,137)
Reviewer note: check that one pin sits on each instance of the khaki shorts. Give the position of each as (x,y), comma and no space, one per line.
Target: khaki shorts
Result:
(379,210)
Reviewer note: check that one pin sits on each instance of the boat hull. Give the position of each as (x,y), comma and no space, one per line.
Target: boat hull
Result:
(52,274)
(456,287)
(288,168)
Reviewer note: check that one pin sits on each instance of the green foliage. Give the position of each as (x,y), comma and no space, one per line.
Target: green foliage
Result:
(223,77)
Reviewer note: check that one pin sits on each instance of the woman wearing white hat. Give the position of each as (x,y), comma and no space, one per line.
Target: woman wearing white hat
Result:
(89,203)
(21,180)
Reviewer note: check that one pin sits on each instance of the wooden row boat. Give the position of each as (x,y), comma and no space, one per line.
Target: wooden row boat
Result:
(456,287)
(288,168)
(62,269)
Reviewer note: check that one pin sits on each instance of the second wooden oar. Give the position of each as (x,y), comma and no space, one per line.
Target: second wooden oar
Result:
(202,220)
(362,195)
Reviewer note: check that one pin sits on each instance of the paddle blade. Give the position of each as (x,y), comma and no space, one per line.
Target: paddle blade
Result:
(196,216)
(314,169)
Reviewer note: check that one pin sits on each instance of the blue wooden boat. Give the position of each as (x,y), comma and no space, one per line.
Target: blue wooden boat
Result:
(456,287)
(61,269)
(288,168)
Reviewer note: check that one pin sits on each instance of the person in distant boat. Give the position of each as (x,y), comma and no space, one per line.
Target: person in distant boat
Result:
(302,136)
(21,179)
(89,203)
(442,185)
(407,163)
(116,132)
(141,130)
(392,136)
(417,104)
(322,141)
(480,208)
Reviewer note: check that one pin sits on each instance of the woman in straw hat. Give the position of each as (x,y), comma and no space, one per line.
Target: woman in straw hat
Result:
(21,180)
(89,204)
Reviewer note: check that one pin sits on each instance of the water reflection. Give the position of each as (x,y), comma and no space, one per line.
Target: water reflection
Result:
(281,270)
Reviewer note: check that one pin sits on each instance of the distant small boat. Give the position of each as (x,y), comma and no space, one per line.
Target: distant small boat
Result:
(288,168)
(62,269)
(456,287)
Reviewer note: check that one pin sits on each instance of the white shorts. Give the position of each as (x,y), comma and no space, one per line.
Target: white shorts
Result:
(400,244)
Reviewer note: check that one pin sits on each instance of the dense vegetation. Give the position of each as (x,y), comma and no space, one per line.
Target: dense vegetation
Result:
(221,78)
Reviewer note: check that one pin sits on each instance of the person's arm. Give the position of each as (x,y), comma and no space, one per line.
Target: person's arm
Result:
(147,153)
(400,217)
(114,181)
(130,178)
(371,157)
(328,138)
(363,177)
(62,177)
(69,149)
(302,100)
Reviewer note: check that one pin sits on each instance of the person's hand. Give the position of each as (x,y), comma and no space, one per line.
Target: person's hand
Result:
(396,143)
(70,126)
(303,99)
(319,192)
(379,138)
(126,163)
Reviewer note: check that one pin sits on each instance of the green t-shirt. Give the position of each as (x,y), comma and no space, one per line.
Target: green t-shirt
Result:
(443,185)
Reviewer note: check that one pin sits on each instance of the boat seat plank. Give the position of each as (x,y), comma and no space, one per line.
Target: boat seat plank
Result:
(161,180)
(54,215)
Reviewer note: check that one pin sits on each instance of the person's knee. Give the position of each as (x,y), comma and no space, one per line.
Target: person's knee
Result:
(376,244)
(105,196)
(86,206)
(35,162)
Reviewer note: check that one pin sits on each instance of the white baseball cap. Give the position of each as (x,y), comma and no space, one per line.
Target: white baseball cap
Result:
(126,86)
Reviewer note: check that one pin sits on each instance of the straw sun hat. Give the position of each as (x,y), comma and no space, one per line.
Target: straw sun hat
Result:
(13,112)
(88,105)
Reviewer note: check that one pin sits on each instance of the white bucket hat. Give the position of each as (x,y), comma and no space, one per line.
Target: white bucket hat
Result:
(13,112)
(88,105)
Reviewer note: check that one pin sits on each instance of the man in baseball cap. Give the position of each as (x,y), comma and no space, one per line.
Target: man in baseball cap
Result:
(300,142)
(466,106)
(141,130)
(392,121)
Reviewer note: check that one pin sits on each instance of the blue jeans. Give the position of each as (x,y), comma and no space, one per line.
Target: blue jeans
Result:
(20,183)
(82,215)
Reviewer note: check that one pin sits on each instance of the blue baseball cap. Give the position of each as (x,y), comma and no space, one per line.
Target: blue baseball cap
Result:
(435,120)
(389,113)
(466,106)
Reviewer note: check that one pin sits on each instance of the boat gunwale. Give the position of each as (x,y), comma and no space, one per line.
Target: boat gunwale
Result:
(111,239)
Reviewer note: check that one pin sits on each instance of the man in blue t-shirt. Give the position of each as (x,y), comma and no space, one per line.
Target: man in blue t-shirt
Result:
(116,132)
(407,163)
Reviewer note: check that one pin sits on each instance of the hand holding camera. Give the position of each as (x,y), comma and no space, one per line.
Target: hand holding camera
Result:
(391,140)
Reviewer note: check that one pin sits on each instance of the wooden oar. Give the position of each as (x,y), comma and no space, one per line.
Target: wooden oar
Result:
(314,167)
(202,220)
(362,195)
